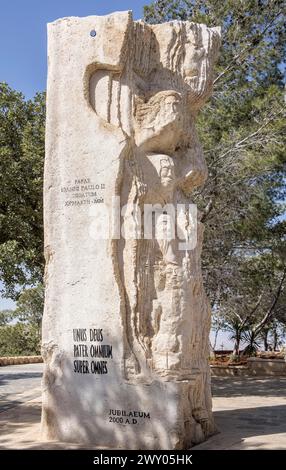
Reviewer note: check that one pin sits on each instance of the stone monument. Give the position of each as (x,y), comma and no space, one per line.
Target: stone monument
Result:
(126,320)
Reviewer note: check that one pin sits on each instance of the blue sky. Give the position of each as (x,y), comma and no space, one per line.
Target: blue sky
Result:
(23,35)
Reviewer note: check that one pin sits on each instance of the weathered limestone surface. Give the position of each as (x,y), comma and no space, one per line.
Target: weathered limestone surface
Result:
(126,321)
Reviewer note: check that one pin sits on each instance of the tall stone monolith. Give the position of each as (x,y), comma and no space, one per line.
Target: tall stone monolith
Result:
(126,320)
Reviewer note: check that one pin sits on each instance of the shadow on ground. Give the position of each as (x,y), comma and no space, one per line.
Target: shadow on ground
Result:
(254,421)
(6,378)
(249,386)
(250,412)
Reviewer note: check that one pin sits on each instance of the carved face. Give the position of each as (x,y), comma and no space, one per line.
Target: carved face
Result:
(158,121)
(171,105)
(201,46)
(195,54)
(167,172)
(159,177)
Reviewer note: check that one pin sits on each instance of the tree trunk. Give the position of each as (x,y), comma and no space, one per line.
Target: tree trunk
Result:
(265,340)
(215,339)
(236,345)
(251,343)
(275,340)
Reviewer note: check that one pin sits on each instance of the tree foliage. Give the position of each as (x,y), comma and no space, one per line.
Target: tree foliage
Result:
(21,178)
(19,340)
(5,317)
(30,305)
(20,329)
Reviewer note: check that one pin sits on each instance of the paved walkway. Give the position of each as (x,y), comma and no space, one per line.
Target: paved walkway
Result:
(250,412)
(19,384)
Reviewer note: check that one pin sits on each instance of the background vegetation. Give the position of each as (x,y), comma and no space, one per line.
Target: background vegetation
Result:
(243,132)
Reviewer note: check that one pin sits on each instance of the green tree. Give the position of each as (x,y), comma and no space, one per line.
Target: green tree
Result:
(5,317)
(19,340)
(30,305)
(20,329)
(21,178)
(251,305)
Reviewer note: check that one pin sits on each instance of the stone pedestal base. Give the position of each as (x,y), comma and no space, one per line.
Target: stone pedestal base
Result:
(160,415)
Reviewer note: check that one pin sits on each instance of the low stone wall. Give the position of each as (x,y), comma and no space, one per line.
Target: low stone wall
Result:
(9,361)
(259,366)
(229,371)
(255,366)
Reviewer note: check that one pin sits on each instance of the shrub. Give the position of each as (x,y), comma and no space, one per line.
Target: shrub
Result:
(19,340)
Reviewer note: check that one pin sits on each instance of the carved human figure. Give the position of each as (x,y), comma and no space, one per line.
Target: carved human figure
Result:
(158,120)
(167,165)
(163,165)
